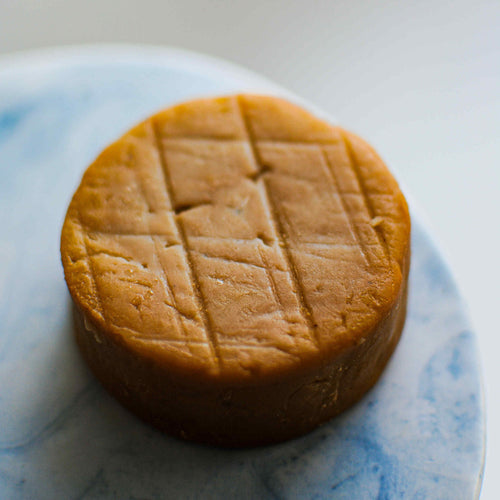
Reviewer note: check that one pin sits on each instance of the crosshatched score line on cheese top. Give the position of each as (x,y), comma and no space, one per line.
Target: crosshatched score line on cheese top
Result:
(215,222)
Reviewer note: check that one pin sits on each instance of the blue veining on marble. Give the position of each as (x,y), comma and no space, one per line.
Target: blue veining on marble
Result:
(418,434)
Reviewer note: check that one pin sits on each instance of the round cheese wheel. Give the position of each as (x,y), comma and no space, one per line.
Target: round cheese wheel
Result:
(238,268)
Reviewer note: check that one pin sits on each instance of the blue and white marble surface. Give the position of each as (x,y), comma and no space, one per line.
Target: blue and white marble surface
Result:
(419,434)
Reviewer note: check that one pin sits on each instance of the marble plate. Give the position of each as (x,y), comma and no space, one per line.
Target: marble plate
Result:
(418,434)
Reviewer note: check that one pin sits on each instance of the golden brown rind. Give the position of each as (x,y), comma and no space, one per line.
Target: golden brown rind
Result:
(239,269)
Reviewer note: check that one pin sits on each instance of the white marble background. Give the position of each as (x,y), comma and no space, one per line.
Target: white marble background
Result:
(420,80)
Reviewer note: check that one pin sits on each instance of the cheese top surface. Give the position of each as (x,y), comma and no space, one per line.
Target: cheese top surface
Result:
(236,237)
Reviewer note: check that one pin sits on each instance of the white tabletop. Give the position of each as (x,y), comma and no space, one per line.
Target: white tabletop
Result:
(419,80)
